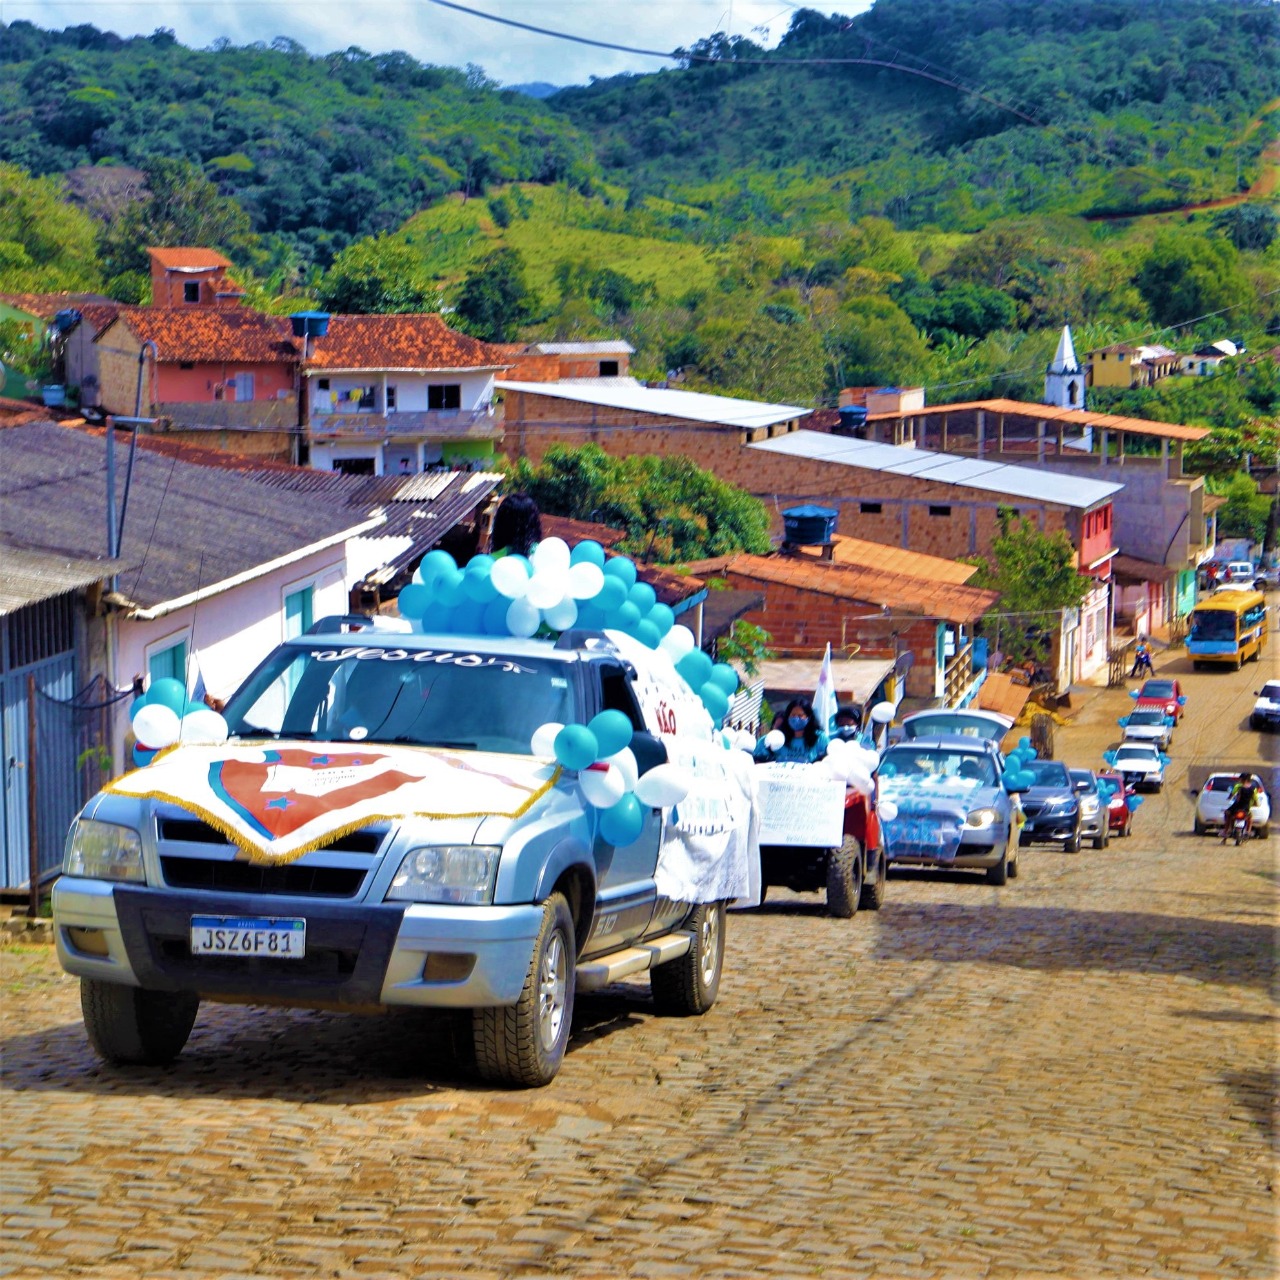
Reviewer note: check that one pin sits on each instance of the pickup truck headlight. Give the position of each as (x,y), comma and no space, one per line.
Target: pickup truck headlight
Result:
(982,818)
(103,851)
(453,873)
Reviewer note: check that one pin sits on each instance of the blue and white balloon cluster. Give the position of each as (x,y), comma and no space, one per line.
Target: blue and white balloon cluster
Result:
(1107,789)
(600,753)
(164,715)
(552,590)
(1016,774)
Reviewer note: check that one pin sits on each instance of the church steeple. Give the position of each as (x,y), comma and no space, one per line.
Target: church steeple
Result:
(1064,378)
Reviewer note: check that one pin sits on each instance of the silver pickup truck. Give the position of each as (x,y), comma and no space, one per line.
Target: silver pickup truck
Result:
(449,905)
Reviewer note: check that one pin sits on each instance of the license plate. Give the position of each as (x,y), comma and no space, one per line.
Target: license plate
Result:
(282,939)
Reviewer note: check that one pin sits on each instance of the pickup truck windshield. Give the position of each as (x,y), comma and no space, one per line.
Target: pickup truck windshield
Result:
(461,698)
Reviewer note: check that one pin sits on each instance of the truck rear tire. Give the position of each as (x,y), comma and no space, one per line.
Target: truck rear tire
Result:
(872,896)
(131,1027)
(524,1044)
(688,985)
(844,878)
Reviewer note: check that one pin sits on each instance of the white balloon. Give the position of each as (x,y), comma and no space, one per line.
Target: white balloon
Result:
(867,757)
(602,787)
(665,785)
(678,641)
(585,580)
(509,577)
(625,763)
(775,739)
(746,740)
(883,712)
(203,726)
(837,747)
(546,588)
(887,810)
(552,555)
(859,780)
(837,766)
(562,615)
(543,742)
(522,618)
(156,726)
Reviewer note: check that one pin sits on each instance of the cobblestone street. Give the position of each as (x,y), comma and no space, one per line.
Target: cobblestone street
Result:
(1071,1075)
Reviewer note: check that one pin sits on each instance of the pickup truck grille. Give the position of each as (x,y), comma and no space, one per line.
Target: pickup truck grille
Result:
(193,831)
(248,877)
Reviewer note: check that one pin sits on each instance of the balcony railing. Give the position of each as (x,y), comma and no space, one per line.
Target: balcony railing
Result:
(428,424)
(960,676)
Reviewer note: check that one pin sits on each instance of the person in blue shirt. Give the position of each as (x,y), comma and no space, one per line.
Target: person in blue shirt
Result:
(805,741)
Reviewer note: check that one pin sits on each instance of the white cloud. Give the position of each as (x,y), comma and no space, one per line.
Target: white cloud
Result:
(437,35)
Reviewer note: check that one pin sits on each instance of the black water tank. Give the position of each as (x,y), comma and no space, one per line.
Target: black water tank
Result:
(809,526)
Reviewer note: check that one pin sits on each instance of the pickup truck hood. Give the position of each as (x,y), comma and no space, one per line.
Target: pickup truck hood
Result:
(277,800)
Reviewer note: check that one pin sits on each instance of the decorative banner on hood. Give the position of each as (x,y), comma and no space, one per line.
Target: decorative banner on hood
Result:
(279,802)
(930,814)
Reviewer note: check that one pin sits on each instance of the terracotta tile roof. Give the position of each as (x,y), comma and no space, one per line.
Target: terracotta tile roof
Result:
(951,601)
(1051,413)
(914,564)
(401,342)
(211,334)
(47,305)
(192,259)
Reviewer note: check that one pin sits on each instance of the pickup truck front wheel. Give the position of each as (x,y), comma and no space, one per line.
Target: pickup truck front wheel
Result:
(688,985)
(131,1027)
(844,879)
(524,1043)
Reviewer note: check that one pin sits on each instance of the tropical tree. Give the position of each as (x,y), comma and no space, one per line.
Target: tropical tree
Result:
(1186,277)
(496,299)
(378,275)
(45,243)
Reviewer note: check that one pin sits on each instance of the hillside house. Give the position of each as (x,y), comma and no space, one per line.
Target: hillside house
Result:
(1129,365)
(913,610)
(192,277)
(67,323)
(570,361)
(398,394)
(225,370)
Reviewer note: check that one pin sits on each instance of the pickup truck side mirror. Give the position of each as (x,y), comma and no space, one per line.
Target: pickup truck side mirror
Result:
(649,751)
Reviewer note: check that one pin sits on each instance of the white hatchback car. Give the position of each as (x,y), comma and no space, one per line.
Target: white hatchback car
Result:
(1140,764)
(1148,724)
(1211,804)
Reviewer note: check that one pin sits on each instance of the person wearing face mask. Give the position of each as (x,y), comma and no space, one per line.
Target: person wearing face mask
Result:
(804,741)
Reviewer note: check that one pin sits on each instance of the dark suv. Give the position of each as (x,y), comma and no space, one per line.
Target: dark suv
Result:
(1051,806)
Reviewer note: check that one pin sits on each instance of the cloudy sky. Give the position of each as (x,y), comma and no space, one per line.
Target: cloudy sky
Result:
(444,36)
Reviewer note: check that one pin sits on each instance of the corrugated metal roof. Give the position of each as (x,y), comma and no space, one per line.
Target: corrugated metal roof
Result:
(189,527)
(693,405)
(28,575)
(1001,478)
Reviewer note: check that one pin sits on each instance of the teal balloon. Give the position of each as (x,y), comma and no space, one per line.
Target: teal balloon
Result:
(495,617)
(1026,778)
(715,700)
(587,553)
(590,616)
(662,617)
(643,596)
(647,634)
(695,667)
(434,564)
(168,692)
(612,595)
(576,747)
(477,584)
(136,705)
(450,589)
(626,616)
(141,756)
(723,676)
(622,823)
(468,618)
(438,619)
(414,600)
(612,731)
(1025,743)
(480,564)
(622,569)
